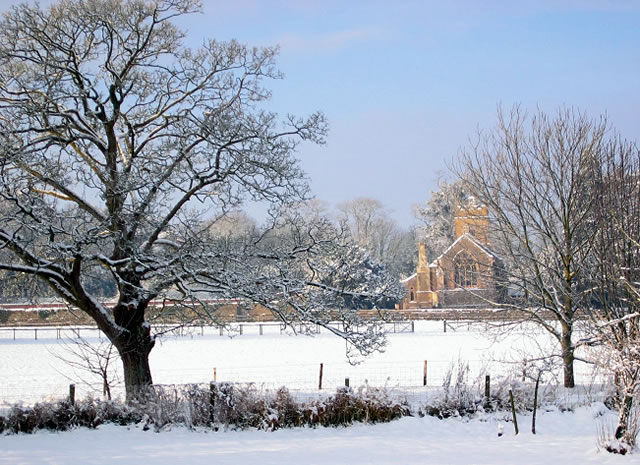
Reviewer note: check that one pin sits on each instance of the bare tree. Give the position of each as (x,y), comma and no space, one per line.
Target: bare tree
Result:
(532,173)
(370,224)
(615,324)
(91,360)
(120,146)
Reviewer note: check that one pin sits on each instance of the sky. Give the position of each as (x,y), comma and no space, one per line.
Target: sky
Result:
(405,84)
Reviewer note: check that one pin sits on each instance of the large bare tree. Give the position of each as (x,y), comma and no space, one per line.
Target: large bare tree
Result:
(614,328)
(120,147)
(533,174)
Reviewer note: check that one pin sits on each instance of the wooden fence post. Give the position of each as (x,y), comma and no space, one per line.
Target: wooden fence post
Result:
(513,411)
(260,327)
(487,391)
(213,392)
(72,394)
(320,377)
(36,333)
(215,375)
(346,382)
(535,403)
(444,325)
(424,374)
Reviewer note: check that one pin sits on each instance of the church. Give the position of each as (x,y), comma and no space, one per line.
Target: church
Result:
(466,274)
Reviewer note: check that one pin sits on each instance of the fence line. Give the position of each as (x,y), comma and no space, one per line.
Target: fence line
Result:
(404,373)
(411,376)
(232,329)
(40,332)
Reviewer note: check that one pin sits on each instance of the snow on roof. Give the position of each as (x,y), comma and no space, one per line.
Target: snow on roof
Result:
(487,251)
(485,248)
(409,278)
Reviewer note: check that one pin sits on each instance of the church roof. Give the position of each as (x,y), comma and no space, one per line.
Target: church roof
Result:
(484,248)
(408,278)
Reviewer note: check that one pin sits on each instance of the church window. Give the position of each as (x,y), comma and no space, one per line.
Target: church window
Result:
(412,297)
(466,270)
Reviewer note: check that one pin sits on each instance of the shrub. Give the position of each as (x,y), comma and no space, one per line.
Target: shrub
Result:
(219,405)
(367,406)
(457,397)
(241,406)
(44,314)
(289,413)
(62,416)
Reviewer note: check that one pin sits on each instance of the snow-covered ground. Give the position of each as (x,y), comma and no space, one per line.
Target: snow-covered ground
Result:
(32,370)
(568,438)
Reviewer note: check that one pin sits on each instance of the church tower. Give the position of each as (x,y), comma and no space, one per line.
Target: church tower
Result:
(473,219)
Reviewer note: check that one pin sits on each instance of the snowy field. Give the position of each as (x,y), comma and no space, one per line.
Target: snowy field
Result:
(33,370)
(568,438)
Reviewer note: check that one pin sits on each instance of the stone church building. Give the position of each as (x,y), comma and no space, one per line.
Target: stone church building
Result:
(465,275)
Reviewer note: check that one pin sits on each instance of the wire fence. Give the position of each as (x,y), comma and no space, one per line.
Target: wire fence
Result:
(46,332)
(231,329)
(408,375)
(409,378)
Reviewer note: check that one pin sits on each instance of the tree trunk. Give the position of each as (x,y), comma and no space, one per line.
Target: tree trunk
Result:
(134,347)
(567,348)
(624,413)
(137,374)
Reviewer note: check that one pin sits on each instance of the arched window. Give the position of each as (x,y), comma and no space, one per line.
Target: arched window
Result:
(412,298)
(466,270)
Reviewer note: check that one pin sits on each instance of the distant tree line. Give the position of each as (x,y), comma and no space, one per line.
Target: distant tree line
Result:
(365,221)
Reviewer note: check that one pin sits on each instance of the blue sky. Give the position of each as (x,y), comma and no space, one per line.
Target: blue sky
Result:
(404,84)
